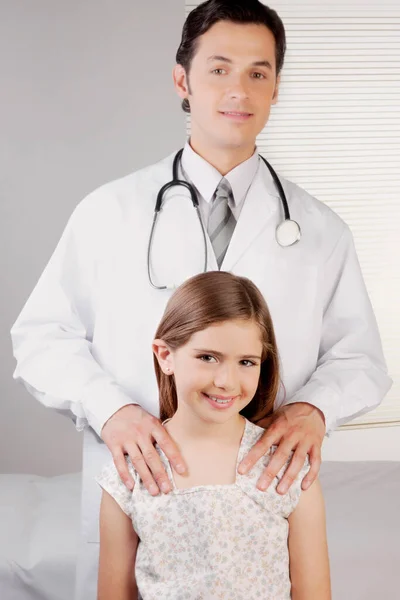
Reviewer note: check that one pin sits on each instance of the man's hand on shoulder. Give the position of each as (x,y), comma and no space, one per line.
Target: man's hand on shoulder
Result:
(297,428)
(133,431)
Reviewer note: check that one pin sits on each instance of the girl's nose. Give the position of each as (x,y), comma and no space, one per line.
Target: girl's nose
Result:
(226,378)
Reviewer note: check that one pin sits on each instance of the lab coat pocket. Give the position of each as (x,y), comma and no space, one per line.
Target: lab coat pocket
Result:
(293,294)
(291,290)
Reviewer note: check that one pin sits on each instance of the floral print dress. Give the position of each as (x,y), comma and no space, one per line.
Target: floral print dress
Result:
(211,542)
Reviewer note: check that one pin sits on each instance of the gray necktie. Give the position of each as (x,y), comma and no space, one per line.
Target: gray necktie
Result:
(221,221)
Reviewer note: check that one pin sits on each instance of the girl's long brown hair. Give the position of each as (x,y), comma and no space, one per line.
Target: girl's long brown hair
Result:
(210,298)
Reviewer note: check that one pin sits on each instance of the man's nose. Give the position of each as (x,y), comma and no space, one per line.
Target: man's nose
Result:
(238,87)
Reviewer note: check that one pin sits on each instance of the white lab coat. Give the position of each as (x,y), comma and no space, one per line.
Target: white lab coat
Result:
(83,340)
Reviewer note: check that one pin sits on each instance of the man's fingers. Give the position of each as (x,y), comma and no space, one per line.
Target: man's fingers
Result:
(170,449)
(278,460)
(259,449)
(295,465)
(315,461)
(122,468)
(144,473)
(155,466)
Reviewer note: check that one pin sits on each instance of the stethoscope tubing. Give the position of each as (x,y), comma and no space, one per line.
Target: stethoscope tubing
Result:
(193,195)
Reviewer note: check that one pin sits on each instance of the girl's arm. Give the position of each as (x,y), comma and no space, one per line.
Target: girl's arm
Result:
(308,550)
(118,546)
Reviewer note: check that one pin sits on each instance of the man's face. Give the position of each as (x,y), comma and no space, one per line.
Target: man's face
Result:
(232,71)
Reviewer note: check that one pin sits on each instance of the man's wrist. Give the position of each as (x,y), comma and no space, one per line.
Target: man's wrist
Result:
(305,408)
(116,412)
(310,408)
(321,414)
(105,412)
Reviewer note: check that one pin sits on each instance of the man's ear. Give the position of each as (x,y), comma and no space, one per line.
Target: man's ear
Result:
(276,91)
(164,356)
(180,81)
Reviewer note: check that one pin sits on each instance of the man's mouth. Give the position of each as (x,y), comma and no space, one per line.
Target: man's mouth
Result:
(235,115)
(235,112)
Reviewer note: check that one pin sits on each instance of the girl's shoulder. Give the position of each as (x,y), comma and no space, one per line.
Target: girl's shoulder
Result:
(252,433)
(110,481)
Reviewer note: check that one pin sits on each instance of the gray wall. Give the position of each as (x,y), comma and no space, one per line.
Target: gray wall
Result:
(86,96)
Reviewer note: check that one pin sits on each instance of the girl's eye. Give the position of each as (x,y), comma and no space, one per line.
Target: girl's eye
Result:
(248,363)
(207,358)
(215,70)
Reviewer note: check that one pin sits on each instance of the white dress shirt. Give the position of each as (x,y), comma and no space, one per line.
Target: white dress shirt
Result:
(205,178)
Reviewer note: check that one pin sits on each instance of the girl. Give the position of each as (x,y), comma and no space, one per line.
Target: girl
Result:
(215,536)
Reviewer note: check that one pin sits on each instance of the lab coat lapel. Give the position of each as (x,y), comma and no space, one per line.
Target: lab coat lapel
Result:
(259,208)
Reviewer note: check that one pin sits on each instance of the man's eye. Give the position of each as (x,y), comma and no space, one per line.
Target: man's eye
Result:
(260,76)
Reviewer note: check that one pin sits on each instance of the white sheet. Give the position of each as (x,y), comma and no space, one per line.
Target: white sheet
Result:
(363,522)
(39,519)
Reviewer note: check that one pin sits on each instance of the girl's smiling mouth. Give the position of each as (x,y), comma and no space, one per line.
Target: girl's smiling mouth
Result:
(219,402)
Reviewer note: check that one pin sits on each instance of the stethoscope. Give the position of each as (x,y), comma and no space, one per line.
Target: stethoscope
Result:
(287,233)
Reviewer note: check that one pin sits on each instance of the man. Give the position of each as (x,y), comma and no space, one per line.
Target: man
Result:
(83,340)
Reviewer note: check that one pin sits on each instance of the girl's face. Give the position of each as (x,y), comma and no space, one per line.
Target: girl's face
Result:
(217,371)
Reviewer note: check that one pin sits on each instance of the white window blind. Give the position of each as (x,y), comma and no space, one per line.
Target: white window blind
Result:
(336,132)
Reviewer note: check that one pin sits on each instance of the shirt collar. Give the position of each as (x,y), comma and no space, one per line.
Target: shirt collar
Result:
(205,177)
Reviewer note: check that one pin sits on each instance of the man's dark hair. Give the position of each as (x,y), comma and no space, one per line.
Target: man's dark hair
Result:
(202,18)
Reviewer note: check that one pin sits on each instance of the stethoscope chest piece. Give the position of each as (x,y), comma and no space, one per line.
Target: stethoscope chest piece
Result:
(288,233)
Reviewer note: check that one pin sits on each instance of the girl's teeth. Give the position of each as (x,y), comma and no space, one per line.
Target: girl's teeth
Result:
(220,401)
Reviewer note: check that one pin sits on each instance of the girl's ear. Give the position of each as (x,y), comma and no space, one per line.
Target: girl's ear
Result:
(164,356)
